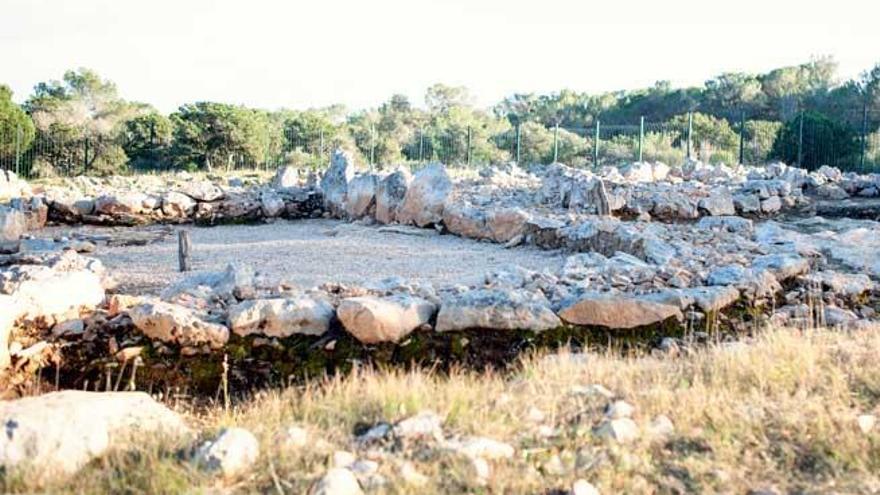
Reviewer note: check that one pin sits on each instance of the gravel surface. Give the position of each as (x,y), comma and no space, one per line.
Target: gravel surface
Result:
(311,252)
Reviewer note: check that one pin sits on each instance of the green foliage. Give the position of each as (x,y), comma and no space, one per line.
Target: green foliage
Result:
(712,138)
(825,141)
(216,134)
(16,128)
(148,140)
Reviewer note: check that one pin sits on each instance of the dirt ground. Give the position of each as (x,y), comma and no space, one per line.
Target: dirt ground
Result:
(311,252)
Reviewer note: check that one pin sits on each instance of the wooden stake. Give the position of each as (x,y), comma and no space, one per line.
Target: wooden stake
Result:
(184,246)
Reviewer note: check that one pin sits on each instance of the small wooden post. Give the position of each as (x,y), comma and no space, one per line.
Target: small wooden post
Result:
(184,246)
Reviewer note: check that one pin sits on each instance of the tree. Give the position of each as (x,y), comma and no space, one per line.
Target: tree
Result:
(210,134)
(713,138)
(148,140)
(440,98)
(82,116)
(16,128)
(811,140)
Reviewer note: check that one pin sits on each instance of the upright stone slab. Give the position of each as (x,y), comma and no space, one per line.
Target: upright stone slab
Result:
(334,183)
(426,196)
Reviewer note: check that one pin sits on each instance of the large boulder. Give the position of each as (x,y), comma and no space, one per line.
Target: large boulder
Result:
(618,312)
(280,317)
(361,198)
(202,191)
(286,177)
(426,196)
(177,205)
(717,204)
(465,220)
(124,203)
(389,319)
(171,323)
(496,309)
(58,433)
(271,204)
(390,194)
(12,224)
(334,183)
(506,223)
(52,294)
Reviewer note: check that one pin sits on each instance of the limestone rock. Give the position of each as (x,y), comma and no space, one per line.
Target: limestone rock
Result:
(617,311)
(372,319)
(337,481)
(271,204)
(231,453)
(285,177)
(334,183)
(177,205)
(175,324)
(390,194)
(124,203)
(280,317)
(426,196)
(496,309)
(59,432)
(360,201)
(506,223)
(12,224)
(622,430)
(202,191)
(717,204)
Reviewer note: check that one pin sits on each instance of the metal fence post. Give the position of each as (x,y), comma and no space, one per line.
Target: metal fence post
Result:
(596,145)
(800,145)
(372,145)
(555,142)
(86,154)
(864,135)
(18,137)
(641,134)
(421,144)
(518,141)
(468,145)
(690,131)
(742,138)
(321,149)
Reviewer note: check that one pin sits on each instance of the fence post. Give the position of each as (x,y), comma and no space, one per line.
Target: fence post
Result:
(321,149)
(690,131)
(596,145)
(864,135)
(372,144)
(555,142)
(86,154)
(742,138)
(518,131)
(641,134)
(468,146)
(421,144)
(18,150)
(800,150)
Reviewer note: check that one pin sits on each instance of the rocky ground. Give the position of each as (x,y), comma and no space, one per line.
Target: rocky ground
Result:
(306,276)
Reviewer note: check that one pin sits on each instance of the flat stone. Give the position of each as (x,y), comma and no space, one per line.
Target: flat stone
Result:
(496,309)
(280,317)
(372,319)
(619,312)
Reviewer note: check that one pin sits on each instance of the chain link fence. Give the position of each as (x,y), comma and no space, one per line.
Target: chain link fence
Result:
(849,140)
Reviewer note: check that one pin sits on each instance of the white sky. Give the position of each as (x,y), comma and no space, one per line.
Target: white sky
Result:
(300,54)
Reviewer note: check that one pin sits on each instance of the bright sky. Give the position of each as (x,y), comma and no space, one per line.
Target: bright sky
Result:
(300,54)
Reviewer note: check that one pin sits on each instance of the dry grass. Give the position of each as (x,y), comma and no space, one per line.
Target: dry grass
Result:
(779,412)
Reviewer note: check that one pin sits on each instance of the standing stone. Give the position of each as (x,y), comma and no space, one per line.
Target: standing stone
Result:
(426,196)
(361,198)
(286,177)
(372,320)
(603,207)
(334,183)
(12,224)
(390,194)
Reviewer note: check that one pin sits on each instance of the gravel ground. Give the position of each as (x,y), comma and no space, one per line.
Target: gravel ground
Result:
(311,252)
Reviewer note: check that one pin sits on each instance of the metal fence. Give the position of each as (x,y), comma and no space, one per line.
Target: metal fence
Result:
(850,141)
